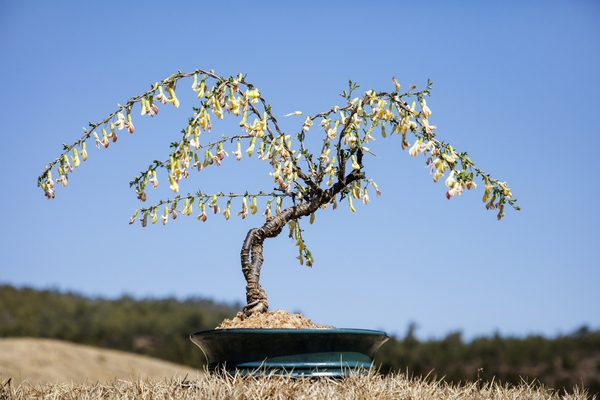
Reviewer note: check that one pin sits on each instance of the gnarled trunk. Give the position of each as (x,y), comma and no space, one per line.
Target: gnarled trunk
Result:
(252,249)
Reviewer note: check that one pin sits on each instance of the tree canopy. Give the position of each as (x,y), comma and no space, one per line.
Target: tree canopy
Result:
(307,177)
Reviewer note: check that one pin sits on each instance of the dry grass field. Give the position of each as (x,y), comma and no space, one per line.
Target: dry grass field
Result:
(357,386)
(49,369)
(40,361)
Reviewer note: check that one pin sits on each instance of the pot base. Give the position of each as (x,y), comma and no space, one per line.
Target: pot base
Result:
(290,352)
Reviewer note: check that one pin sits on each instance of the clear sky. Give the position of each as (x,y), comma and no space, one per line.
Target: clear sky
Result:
(515,84)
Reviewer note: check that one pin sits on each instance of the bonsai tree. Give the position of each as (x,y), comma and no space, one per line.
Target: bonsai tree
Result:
(305,179)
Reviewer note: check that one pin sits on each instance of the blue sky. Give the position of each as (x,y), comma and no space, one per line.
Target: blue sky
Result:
(515,85)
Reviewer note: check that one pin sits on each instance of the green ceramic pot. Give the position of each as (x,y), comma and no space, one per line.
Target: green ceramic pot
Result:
(295,352)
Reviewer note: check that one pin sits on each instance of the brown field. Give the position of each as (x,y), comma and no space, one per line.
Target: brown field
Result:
(50,369)
(48,360)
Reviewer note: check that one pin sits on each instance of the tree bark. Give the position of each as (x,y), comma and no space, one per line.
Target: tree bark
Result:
(252,248)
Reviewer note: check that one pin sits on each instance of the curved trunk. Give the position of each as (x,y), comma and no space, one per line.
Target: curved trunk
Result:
(252,249)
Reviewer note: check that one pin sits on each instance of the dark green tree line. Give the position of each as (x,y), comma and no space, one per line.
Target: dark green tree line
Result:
(155,327)
(560,362)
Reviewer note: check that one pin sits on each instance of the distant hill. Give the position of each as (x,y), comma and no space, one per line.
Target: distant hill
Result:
(154,327)
(49,360)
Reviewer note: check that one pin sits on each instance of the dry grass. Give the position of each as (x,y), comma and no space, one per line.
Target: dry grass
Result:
(48,360)
(49,369)
(356,386)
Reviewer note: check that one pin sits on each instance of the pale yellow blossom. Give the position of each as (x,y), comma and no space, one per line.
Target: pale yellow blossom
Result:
(83,152)
(425,111)
(227,211)
(173,183)
(202,216)
(253,94)
(307,124)
(165,216)
(244,210)
(352,209)
(450,181)
(132,220)
(238,151)
(355,164)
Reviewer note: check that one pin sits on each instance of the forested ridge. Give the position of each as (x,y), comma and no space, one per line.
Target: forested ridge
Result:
(155,327)
(161,328)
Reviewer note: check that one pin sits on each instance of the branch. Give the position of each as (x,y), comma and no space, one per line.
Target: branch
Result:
(251,254)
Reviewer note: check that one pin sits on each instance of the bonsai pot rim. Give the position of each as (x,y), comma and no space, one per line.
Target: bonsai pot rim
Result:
(303,352)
